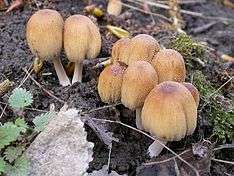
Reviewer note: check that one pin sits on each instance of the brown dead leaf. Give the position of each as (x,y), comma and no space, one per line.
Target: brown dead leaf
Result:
(118,32)
(227,58)
(37,65)
(15,4)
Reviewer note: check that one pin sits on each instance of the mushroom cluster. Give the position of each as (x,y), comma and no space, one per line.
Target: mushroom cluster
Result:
(47,33)
(151,82)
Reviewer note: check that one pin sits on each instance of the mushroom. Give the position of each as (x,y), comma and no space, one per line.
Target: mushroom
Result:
(118,50)
(110,83)
(169,113)
(82,40)
(169,64)
(138,80)
(114,7)
(44,33)
(193,90)
(141,47)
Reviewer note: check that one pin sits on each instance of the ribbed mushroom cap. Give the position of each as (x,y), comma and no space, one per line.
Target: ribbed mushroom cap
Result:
(141,47)
(169,112)
(138,80)
(110,83)
(193,90)
(119,49)
(82,38)
(169,64)
(114,7)
(44,33)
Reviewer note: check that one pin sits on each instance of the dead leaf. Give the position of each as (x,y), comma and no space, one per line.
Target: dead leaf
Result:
(93,10)
(37,65)
(16,4)
(117,31)
(227,58)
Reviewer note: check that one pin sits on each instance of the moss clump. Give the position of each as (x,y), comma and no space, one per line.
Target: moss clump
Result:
(219,118)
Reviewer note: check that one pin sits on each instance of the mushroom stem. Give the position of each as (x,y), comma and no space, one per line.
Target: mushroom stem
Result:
(138,119)
(77,77)
(62,76)
(155,148)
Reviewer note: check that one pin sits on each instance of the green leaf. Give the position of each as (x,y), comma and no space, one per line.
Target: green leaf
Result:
(41,121)
(12,153)
(21,124)
(20,167)
(9,132)
(2,165)
(20,98)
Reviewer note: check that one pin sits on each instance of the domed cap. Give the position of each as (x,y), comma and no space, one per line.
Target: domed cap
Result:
(114,7)
(44,33)
(169,112)
(82,38)
(193,90)
(118,50)
(169,64)
(138,80)
(110,83)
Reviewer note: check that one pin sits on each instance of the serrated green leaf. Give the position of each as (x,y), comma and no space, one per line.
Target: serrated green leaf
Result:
(20,98)
(12,153)
(21,124)
(2,165)
(41,121)
(9,132)
(20,167)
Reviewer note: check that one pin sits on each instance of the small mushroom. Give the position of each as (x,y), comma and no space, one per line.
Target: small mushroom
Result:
(169,113)
(82,40)
(141,47)
(114,7)
(110,83)
(169,64)
(138,80)
(44,33)
(118,50)
(193,90)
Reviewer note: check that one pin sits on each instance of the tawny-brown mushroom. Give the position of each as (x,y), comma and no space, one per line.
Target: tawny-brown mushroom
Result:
(110,83)
(193,90)
(118,50)
(169,65)
(141,47)
(114,7)
(138,80)
(169,113)
(82,40)
(44,33)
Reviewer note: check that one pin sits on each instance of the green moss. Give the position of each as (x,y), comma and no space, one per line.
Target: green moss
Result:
(220,119)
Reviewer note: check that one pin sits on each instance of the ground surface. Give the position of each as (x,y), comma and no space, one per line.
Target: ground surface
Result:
(130,152)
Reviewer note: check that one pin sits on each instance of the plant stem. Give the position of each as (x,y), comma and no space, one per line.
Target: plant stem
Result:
(138,119)
(62,76)
(155,148)
(77,77)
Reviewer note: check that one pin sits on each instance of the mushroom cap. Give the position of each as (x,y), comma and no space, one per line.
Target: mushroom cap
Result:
(141,47)
(118,49)
(82,38)
(44,33)
(193,90)
(169,65)
(110,83)
(169,112)
(138,80)
(114,7)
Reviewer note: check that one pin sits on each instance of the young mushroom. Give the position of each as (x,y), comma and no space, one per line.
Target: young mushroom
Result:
(44,33)
(82,40)
(110,83)
(114,7)
(138,80)
(193,90)
(169,64)
(141,47)
(169,113)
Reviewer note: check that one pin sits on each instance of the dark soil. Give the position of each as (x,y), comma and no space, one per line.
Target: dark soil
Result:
(131,150)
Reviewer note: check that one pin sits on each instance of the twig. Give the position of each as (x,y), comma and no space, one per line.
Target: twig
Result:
(3,111)
(222,161)
(109,158)
(203,28)
(40,86)
(25,76)
(142,132)
(176,168)
(225,146)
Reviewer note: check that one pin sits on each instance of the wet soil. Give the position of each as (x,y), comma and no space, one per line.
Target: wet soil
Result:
(131,150)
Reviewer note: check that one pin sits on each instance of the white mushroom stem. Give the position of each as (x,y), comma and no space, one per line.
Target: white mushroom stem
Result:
(77,77)
(62,76)
(155,148)
(138,119)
